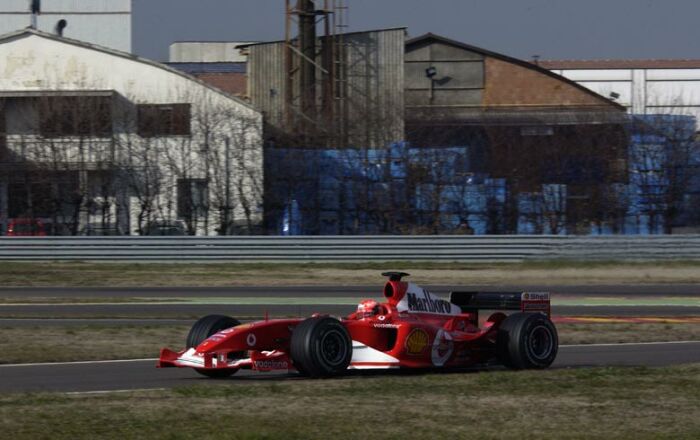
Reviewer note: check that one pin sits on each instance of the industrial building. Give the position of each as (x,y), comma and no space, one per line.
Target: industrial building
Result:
(456,137)
(106,23)
(324,95)
(95,139)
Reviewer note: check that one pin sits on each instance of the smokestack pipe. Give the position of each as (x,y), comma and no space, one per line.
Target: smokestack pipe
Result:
(307,45)
(35,8)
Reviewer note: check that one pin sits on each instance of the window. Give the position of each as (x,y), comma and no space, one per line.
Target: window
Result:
(163,120)
(75,116)
(536,131)
(17,200)
(192,198)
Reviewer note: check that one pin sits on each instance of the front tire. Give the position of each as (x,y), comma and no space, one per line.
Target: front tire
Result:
(321,347)
(527,341)
(204,328)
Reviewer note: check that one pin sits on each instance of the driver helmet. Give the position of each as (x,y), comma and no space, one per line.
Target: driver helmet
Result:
(367,308)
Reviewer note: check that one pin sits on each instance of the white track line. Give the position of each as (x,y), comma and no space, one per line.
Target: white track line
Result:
(135,390)
(613,344)
(116,361)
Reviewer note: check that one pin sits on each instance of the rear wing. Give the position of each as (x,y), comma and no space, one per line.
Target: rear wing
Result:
(522,301)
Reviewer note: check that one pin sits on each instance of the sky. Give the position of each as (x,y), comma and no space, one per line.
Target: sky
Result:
(552,29)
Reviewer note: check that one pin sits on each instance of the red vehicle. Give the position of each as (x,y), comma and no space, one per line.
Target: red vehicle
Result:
(411,329)
(25,227)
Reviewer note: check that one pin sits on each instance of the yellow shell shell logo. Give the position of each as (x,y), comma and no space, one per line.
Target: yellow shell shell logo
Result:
(417,341)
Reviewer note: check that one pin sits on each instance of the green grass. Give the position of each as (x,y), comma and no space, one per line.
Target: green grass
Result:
(55,274)
(620,403)
(90,342)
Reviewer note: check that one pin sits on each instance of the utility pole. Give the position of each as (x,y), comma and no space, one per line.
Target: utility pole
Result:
(227,207)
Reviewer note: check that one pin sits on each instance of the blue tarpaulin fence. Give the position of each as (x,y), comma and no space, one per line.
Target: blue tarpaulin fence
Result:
(371,191)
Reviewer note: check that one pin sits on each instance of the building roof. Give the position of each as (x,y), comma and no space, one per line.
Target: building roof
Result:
(526,64)
(218,67)
(620,64)
(41,93)
(118,53)
(214,41)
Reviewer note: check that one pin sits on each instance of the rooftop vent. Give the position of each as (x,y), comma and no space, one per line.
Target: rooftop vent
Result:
(60,26)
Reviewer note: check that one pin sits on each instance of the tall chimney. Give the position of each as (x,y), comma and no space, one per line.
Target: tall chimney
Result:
(35,8)
(307,46)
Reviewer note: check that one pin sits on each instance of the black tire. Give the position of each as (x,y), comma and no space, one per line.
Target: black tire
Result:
(204,328)
(321,347)
(527,341)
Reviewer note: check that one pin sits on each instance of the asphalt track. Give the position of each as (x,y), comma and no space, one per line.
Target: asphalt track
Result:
(142,374)
(641,300)
(138,312)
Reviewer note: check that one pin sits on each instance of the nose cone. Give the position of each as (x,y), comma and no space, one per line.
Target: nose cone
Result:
(225,338)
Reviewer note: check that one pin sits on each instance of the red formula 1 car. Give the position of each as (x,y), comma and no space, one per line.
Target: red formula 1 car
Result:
(412,329)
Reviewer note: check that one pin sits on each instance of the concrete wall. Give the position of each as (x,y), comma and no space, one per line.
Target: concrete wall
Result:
(206,52)
(103,22)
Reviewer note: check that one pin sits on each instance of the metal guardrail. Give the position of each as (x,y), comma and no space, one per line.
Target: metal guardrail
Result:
(492,248)
(630,248)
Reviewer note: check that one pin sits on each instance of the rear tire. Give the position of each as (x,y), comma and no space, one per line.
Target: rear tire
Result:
(321,347)
(527,341)
(204,328)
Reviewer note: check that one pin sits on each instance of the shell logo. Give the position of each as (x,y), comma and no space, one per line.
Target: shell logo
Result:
(417,341)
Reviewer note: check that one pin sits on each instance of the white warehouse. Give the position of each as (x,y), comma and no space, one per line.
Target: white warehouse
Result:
(643,86)
(91,137)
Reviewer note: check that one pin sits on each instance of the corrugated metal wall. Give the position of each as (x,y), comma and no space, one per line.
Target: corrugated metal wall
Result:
(459,80)
(374,86)
(266,80)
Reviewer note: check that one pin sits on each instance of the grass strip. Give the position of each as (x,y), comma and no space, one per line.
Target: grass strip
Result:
(81,274)
(321,300)
(590,403)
